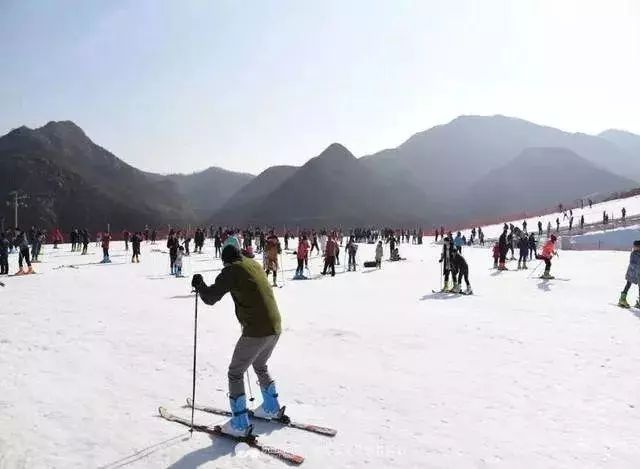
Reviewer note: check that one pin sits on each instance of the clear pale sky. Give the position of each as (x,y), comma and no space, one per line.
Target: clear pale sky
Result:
(177,86)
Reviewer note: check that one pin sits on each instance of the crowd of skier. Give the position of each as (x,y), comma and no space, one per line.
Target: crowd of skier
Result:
(251,284)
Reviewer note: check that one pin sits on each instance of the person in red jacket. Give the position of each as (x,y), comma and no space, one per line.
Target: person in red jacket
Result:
(106,237)
(548,251)
(330,252)
(303,257)
(57,238)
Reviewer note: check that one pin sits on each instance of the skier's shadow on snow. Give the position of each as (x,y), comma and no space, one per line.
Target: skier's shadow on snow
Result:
(545,285)
(221,447)
(439,296)
(146,452)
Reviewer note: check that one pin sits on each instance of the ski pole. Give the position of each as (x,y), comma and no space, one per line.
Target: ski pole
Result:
(195,347)
(282,269)
(534,270)
(251,399)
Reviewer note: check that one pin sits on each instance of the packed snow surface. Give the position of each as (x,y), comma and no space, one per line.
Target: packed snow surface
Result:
(525,374)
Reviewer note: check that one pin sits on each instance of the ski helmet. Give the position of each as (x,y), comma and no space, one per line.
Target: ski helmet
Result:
(553,238)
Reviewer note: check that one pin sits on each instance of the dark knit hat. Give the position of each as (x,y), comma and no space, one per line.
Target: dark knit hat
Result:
(230,254)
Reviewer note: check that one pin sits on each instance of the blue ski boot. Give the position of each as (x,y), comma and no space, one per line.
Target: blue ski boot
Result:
(239,423)
(270,408)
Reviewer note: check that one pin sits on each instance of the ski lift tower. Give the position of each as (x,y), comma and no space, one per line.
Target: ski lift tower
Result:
(17,200)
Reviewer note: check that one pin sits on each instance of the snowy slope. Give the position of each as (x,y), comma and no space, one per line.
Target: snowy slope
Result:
(591,215)
(526,374)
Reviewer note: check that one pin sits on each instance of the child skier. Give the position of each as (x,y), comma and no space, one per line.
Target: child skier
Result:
(106,238)
(177,264)
(496,255)
(548,251)
(257,312)
(461,268)
(379,254)
(633,275)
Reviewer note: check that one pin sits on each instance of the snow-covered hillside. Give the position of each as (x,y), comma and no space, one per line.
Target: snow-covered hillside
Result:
(591,215)
(525,374)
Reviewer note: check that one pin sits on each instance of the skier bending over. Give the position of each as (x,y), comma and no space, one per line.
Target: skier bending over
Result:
(257,312)
(461,267)
(633,275)
(548,251)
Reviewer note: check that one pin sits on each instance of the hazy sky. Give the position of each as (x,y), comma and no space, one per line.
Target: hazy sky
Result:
(182,85)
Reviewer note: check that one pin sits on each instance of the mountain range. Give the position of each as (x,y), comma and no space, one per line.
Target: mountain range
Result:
(474,166)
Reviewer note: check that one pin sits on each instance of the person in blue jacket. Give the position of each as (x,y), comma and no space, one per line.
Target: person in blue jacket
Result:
(458,242)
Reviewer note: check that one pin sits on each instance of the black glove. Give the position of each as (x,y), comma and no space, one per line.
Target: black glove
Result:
(197,282)
(440,261)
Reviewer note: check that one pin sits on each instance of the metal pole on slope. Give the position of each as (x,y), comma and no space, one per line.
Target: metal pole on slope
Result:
(282,269)
(195,349)
(534,270)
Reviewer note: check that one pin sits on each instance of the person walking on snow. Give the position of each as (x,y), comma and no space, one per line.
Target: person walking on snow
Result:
(172,246)
(125,236)
(4,254)
(22,244)
(523,248)
(352,249)
(504,247)
(548,251)
(258,314)
(330,254)
(532,246)
(458,242)
(136,240)
(272,250)
(632,276)
(302,254)
(445,260)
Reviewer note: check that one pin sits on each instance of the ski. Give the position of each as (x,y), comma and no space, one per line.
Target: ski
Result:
(452,292)
(251,440)
(284,420)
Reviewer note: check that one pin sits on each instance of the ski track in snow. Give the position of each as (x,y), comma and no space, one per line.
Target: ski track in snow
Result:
(527,374)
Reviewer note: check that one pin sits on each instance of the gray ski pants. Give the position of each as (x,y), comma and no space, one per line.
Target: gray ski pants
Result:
(250,351)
